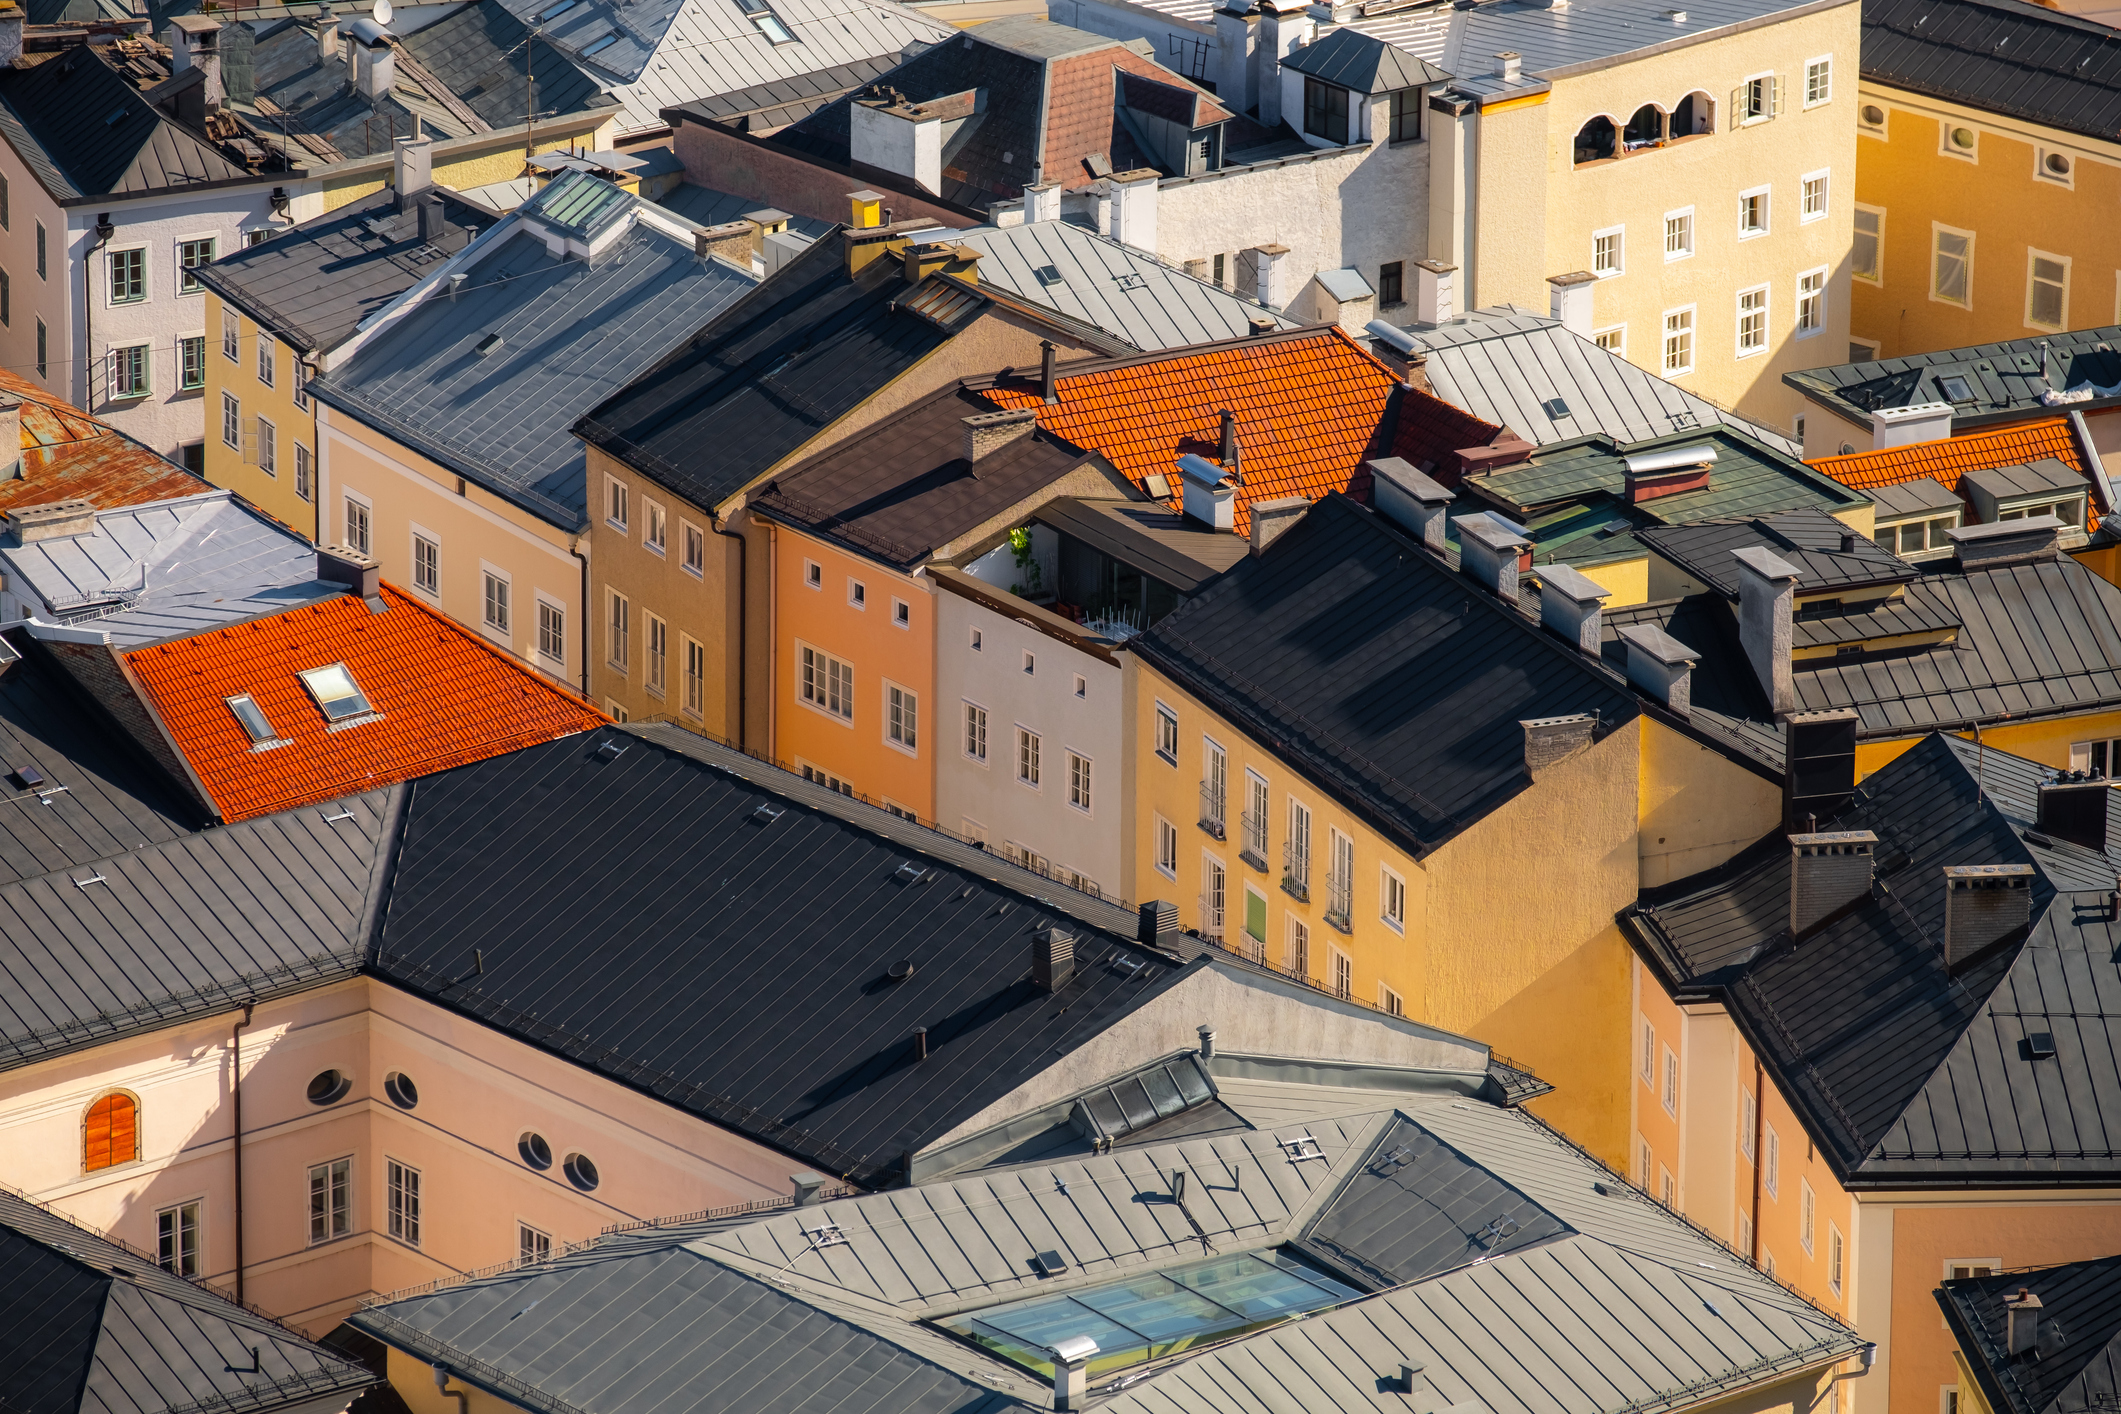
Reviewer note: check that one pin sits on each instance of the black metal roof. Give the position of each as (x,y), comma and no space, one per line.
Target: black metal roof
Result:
(726,947)
(1904,1072)
(2002,56)
(767,375)
(1352,59)
(480,53)
(87,1325)
(1985,383)
(2075,1362)
(779,102)
(1389,680)
(314,284)
(85,130)
(1829,554)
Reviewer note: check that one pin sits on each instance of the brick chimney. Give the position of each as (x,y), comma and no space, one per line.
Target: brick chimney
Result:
(989,432)
(1410,499)
(1767,593)
(1983,903)
(1571,606)
(1828,872)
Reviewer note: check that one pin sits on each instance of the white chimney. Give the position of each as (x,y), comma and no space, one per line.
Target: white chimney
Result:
(1508,66)
(1134,208)
(1042,202)
(1433,293)
(1917,422)
(1271,518)
(195,43)
(1767,593)
(1828,872)
(412,168)
(1414,502)
(1489,549)
(1071,1374)
(1661,666)
(2021,1316)
(12,18)
(1569,300)
(1983,903)
(1570,605)
(375,64)
(1208,495)
(894,134)
(1268,262)
(327,38)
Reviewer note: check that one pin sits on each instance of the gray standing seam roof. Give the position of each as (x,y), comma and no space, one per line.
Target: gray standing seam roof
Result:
(1827,552)
(1581,38)
(84,130)
(1126,292)
(2002,56)
(1160,543)
(87,1325)
(571,333)
(2004,381)
(2075,1362)
(2047,474)
(1524,371)
(1357,61)
(480,53)
(1924,493)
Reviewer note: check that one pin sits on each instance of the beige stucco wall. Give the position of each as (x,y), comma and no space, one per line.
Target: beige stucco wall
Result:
(479,1091)
(275,492)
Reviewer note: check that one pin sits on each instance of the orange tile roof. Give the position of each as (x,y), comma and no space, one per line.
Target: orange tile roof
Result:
(1311,408)
(68,455)
(443,697)
(1946,461)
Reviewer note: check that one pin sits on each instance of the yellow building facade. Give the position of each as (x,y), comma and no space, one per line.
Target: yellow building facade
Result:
(261,425)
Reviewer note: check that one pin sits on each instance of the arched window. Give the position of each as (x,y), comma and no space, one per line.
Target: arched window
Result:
(1596,139)
(1645,129)
(1693,114)
(111,1132)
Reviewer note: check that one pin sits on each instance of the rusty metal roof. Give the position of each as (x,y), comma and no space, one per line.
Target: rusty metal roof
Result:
(68,455)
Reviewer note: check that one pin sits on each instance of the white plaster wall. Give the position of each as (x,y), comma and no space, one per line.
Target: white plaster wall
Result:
(970,794)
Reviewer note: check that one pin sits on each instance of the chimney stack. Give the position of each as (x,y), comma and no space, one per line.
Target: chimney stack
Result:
(1983,903)
(1509,66)
(2077,811)
(12,18)
(1207,1042)
(195,43)
(989,432)
(2021,1317)
(1652,475)
(412,168)
(1228,452)
(1048,385)
(1071,1375)
(806,1186)
(1267,276)
(1207,494)
(1917,422)
(327,38)
(361,575)
(734,241)
(1156,918)
(1570,606)
(866,209)
(1052,958)
(55,520)
(1828,872)
(2007,542)
(1432,292)
(1549,741)
(1134,207)
(375,62)
(1271,518)
(1489,550)
(1661,666)
(1410,499)
(1767,594)
(1569,300)
(1819,776)
(1042,202)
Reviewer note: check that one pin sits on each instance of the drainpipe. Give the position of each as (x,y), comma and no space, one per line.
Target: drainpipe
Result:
(742,614)
(104,231)
(587,614)
(442,1383)
(1759,1151)
(235,1096)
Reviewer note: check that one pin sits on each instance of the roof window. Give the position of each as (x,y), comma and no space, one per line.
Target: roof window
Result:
(336,692)
(769,24)
(596,46)
(252,718)
(556,11)
(1153,1314)
(1956,388)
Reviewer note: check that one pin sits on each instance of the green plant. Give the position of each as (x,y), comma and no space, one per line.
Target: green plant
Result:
(1026,564)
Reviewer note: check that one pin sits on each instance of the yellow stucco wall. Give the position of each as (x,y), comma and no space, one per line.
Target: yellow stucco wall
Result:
(279,492)
(2047,741)
(464,163)
(1629,580)
(1906,172)
(1698,808)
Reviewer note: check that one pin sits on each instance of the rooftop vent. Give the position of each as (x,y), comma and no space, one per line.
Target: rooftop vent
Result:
(1828,873)
(1052,958)
(57,520)
(2077,811)
(1049,1264)
(1983,904)
(1669,472)
(1821,775)
(361,574)
(487,345)
(766,812)
(1157,918)
(1548,741)
(806,1186)
(1416,502)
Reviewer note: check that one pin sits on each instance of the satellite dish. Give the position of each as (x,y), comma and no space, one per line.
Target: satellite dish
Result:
(381,12)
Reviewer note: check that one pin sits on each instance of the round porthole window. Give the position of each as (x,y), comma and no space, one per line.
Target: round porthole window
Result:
(580,1172)
(2057,165)
(535,1151)
(329,1087)
(1963,139)
(403,1093)
(1873,115)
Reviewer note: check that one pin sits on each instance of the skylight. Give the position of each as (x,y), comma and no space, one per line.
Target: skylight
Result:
(597,46)
(252,718)
(1155,1314)
(770,25)
(336,691)
(1956,388)
(556,11)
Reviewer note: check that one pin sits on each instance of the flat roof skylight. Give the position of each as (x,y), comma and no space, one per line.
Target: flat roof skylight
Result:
(1154,1314)
(600,44)
(252,718)
(336,691)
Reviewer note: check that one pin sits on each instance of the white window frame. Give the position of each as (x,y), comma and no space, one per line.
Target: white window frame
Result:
(1166,837)
(490,571)
(309,1174)
(690,535)
(2066,262)
(349,498)
(823,709)
(974,731)
(1166,725)
(546,601)
(196,1205)
(1738,318)
(1945,148)
(1030,770)
(1693,332)
(1743,110)
(898,742)
(617,498)
(1649,1051)
(1685,252)
(1748,1121)
(1836,1257)
(857,595)
(1389,879)
(1668,1082)
(1938,228)
(1824,176)
(1807,1216)
(655,528)
(901,614)
(1087,788)
(1877,276)
(1619,235)
(655,654)
(813,575)
(181,340)
(231,335)
(231,417)
(416,535)
(1619,346)
(2066,180)
(1827,62)
(1389,1002)
(268,359)
(1766,193)
(1797,316)
(1771,1165)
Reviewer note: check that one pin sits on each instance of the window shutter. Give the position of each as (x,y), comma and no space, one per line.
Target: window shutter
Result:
(250,441)
(1774,91)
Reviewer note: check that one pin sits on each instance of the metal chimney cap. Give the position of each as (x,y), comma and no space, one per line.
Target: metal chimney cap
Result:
(1075,1350)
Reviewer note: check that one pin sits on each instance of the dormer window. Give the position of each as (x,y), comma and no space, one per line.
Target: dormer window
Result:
(336,692)
(1325,111)
(252,719)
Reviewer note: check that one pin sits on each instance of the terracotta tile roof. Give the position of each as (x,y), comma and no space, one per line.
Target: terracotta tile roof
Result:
(1946,461)
(442,698)
(1311,408)
(68,455)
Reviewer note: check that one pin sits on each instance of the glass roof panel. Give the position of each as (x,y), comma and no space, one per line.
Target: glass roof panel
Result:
(335,691)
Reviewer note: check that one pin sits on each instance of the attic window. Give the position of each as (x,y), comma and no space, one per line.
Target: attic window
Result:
(1956,388)
(336,692)
(252,718)
(556,11)
(114,119)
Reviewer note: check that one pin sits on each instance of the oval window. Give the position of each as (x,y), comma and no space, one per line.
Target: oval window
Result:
(329,1087)
(1873,115)
(2057,164)
(403,1093)
(535,1151)
(1963,139)
(580,1172)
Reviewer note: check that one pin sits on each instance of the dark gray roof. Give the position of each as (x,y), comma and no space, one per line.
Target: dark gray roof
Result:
(2045,475)
(87,1325)
(1826,551)
(779,366)
(1904,1073)
(2002,56)
(1387,678)
(571,331)
(314,284)
(85,130)
(2003,382)
(779,102)
(2075,1362)
(480,53)
(738,964)
(1160,543)
(1727,700)
(1354,60)
(1910,497)
(704,206)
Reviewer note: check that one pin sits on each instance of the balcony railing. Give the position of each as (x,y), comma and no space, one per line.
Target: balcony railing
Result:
(1340,901)
(1296,871)
(1254,852)
(1211,808)
(1211,918)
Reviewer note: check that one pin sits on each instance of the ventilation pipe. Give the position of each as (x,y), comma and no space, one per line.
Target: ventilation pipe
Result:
(1071,1373)
(806,1186)
(1052,958)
